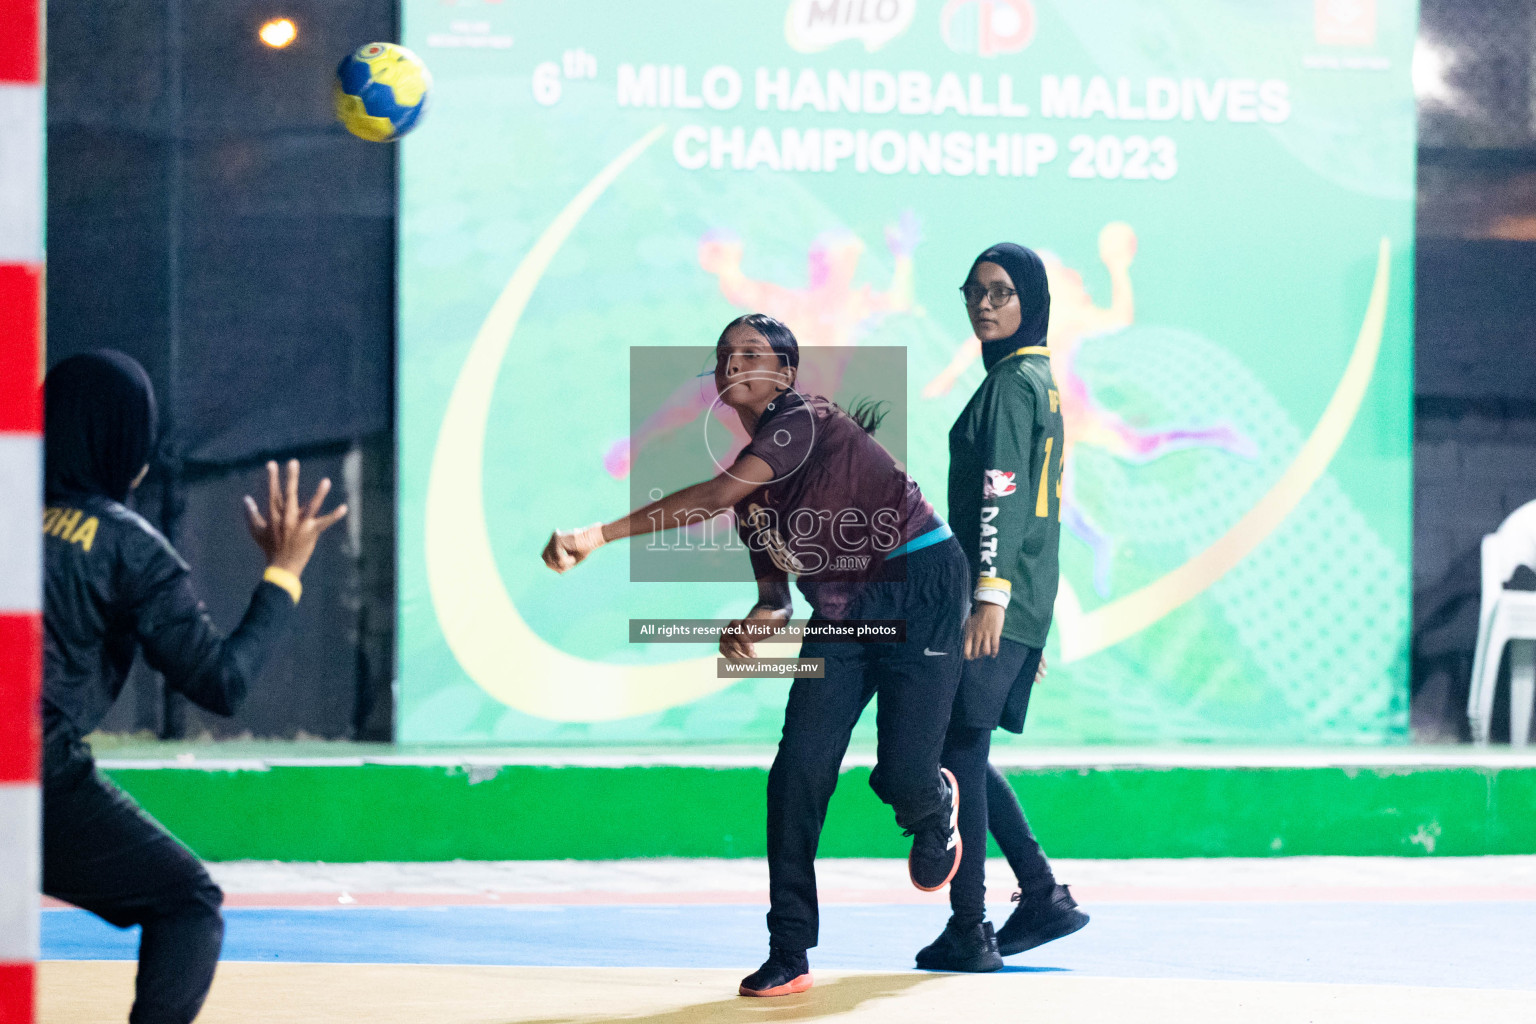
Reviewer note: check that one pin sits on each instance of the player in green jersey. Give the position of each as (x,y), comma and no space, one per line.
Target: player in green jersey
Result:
(1005,508)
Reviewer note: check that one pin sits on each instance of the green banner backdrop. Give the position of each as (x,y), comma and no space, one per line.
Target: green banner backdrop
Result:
(1223,193)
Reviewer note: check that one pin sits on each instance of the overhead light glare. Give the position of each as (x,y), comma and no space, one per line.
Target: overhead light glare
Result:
(278,33)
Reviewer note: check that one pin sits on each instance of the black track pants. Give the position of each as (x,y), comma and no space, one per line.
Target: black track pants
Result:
(105,855)
(916,681)
(990,802)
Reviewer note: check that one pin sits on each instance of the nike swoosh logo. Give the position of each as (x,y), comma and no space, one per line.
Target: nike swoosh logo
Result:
(934,654)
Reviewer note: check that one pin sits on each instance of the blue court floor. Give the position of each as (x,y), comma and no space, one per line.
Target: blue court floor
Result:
(1320,940)
(1461,945)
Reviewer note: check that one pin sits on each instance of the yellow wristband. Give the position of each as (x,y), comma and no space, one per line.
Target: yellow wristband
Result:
(285,579)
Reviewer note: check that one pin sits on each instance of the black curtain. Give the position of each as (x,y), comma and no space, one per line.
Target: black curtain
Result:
(207,215)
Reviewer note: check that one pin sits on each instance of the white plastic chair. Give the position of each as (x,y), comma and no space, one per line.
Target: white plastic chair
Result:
(1506,617)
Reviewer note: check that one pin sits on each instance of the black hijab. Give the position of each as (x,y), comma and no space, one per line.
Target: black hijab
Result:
(99,416)
(1028,275)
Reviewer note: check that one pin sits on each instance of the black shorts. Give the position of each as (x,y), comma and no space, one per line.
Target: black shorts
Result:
(995,691)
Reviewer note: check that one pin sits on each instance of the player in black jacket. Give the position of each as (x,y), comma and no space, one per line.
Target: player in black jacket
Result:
(112,586)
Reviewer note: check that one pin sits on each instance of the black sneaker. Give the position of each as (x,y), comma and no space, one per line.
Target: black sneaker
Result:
(1040,921)
(784,973)
(936,849)
(973,950)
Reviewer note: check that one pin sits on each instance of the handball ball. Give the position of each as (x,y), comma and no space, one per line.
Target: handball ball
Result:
(381,89)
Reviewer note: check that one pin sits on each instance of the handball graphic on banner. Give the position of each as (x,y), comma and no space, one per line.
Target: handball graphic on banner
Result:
(609,186)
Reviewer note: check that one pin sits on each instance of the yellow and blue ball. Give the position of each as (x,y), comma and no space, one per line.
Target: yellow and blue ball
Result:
(381,90)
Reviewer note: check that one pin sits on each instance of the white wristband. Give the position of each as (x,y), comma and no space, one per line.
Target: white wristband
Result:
(993,590)
(990,596)
(590,538)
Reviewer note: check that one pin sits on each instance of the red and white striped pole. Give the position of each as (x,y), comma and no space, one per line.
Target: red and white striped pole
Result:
(21,333)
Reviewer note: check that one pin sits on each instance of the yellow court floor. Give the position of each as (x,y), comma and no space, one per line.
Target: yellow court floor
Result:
(99,992)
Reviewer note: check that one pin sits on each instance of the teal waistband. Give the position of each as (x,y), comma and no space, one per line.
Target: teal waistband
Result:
(923,540)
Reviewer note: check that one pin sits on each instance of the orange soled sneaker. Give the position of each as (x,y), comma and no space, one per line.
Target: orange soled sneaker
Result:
(936,847)
(785,972)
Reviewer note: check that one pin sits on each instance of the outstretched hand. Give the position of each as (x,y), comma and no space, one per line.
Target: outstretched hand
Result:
(565,550)
(288,532)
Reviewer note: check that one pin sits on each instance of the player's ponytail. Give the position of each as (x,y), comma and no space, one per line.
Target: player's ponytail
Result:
(869,413)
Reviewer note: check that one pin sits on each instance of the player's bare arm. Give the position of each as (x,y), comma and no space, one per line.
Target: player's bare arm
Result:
(749,376)
(710,498)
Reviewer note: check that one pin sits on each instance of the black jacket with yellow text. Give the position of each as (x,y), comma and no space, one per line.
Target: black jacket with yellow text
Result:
(113,585)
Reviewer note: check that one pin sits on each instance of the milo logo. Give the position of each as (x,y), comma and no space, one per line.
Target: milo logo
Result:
(813,25)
